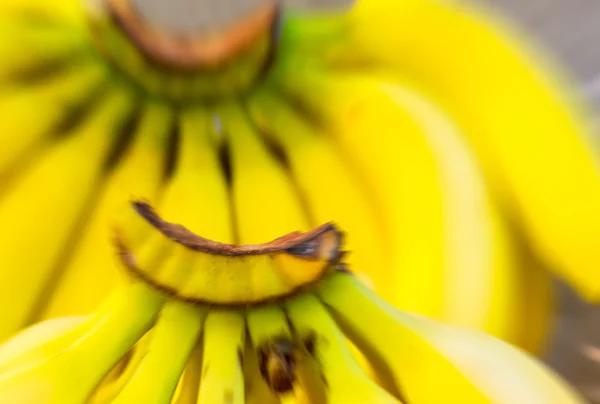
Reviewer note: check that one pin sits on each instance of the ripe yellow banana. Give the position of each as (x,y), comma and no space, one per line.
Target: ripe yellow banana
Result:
(93,268)
(39,341)
(537,301)
(537,146)
(345,381)
(328,184)
(443,232)
(432,361)
(170,345)
(70,376)
(191,378)
(264,198)
(121,374)
(222,376)
(36,112)
(31,52)
(58,185)
(61,11)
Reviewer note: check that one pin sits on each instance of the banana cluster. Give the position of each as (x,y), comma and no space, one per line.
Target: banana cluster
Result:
(459,170)
(142,346)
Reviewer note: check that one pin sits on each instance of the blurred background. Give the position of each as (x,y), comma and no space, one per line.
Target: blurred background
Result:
(571,30)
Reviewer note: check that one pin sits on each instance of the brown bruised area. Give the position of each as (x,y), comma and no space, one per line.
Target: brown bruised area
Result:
(323,242)
(237,275)
(203,50)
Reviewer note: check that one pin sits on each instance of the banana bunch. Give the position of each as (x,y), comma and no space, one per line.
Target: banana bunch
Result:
(164,336)
(459,169)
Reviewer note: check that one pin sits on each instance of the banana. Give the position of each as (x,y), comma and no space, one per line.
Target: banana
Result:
(39,341)
(71,375)
(31,115)
(443,231)
(330,187)
(264,197)
(171,343)
(266,326)
(433,361)
(538,304)
(191,378)
(345,381)
(537,148)
(121,374)
(222,376)
(62,11)
(31,51)
(59,185)
(93,268)
(196,175)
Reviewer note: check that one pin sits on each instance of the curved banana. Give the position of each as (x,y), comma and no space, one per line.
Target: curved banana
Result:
(444,233)
(331,188)
(172,340)
(191,377)
(32,52)
(222,376)
(39,341)
(537,146)
(345,381)
(121,322)
(432,361)
(537,299)
(36,113)
(58,185)
(112,384)
(264,197)
(93,268)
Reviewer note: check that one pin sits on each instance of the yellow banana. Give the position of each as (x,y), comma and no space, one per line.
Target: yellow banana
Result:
(331,188)
(537,146)
(222,376)
(93,267)
(58,185)
(444,234)
(345,381)
(60,11)
(433,361)
(32,52)
(31,115)
(170,345)
(71,375)
(191,378)
(537,301)
(121,374)
(264,197)
(39,341)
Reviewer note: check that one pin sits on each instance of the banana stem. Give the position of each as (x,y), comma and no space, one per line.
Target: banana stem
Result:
(191,34)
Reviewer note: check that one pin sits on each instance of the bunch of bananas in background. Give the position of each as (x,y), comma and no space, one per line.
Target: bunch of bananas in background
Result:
(460,171)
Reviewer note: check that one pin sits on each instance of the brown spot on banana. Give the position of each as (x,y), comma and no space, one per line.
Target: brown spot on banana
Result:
(237,275)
